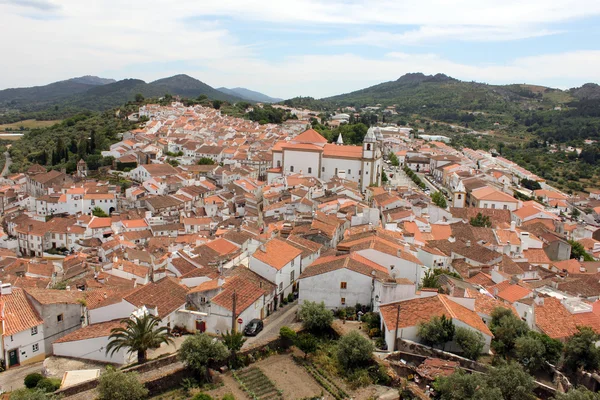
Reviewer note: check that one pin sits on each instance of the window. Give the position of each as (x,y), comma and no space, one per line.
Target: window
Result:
(309,170)
(292,277)
(349,172)
(322,169)
(59,318)
(343,285)
(505,207)
(35,347)
(391,267)
(281,287)
(368,146)
(343,301)
(278,163)
(34,331)
(459,196)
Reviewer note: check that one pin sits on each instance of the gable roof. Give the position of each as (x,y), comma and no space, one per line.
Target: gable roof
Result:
(415,311)
(277,253)
(18,313)
(310,136)
(167,296)
(353,262)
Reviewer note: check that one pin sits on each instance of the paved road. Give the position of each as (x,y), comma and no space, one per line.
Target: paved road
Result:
(7,164)
(273,323)
(12,379)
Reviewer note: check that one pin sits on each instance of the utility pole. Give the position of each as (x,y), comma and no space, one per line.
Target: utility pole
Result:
(233,315)
(396,333)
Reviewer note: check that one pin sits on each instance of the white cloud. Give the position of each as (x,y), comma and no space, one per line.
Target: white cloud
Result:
(429,34)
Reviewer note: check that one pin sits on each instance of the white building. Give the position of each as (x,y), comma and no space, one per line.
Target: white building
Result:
(347,280)
(310,155)
(22,329)
(401,320)
(279,263)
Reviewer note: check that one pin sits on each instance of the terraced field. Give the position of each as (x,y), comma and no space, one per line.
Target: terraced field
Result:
(256,384)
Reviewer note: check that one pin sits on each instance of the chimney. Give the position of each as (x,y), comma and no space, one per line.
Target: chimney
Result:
(468,244)
(513,226)
(220,281)
(263,248)
(5,288)
(30,228)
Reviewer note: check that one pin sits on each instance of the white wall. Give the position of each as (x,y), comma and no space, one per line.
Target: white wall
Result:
(302,161)
(122,309)
(92,349)
(326,288)
(402,268)
(23,342)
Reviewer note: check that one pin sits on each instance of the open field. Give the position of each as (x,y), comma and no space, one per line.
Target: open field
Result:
(27,124)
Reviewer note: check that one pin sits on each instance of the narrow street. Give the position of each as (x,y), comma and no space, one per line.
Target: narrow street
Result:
(7,164)
(273,323)
(12,378)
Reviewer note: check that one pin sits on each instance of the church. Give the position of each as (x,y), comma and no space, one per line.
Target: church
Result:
(309,154)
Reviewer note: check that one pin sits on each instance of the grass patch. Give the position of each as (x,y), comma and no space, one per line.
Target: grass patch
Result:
(27,125)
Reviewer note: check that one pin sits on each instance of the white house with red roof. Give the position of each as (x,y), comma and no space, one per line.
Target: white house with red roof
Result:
(278,262)
(310,155)
(350,279)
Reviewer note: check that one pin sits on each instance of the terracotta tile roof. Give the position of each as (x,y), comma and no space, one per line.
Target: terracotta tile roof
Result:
(513,293)
(536,256)
(91,331)
(482,279)
(333,150)
(19,314)
(553,319)
(310,136)
(98,222)
(490,194)
(54,296)
(167,295)
(222,246)
(588,319)
(246,292)
(277,253)
(415,311)
(572,266)
(353,262)
(485,305)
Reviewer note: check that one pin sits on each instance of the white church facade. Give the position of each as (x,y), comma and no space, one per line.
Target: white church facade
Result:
(309,154)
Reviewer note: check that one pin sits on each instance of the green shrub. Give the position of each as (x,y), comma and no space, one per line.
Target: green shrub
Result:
(290,297)
(32,380)
(228,396)
(354,351)
(30,394)
(372,320)
(48,385)
(306,342)
(359,378)
(287,335)
(118,385)
(284,301)
(374,332)
(202,396)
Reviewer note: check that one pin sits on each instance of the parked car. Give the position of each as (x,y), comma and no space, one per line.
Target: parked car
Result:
(254,327)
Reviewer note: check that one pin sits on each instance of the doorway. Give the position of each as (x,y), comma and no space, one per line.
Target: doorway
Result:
(13,358)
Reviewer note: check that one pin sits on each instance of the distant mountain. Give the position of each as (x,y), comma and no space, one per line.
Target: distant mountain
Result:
(52,92)
(589,91)
(249,95)
(415,92)
(60,99)
(186,86)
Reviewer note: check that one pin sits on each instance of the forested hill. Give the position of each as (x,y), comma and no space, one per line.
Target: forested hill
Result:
(64,99)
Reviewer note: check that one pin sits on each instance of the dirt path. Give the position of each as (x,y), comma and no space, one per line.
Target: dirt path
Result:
(288,376)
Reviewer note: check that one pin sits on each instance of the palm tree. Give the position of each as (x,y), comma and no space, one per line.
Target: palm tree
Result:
(138,334)
(234,342)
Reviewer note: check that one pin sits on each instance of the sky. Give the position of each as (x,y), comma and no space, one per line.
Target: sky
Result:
(288,48)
